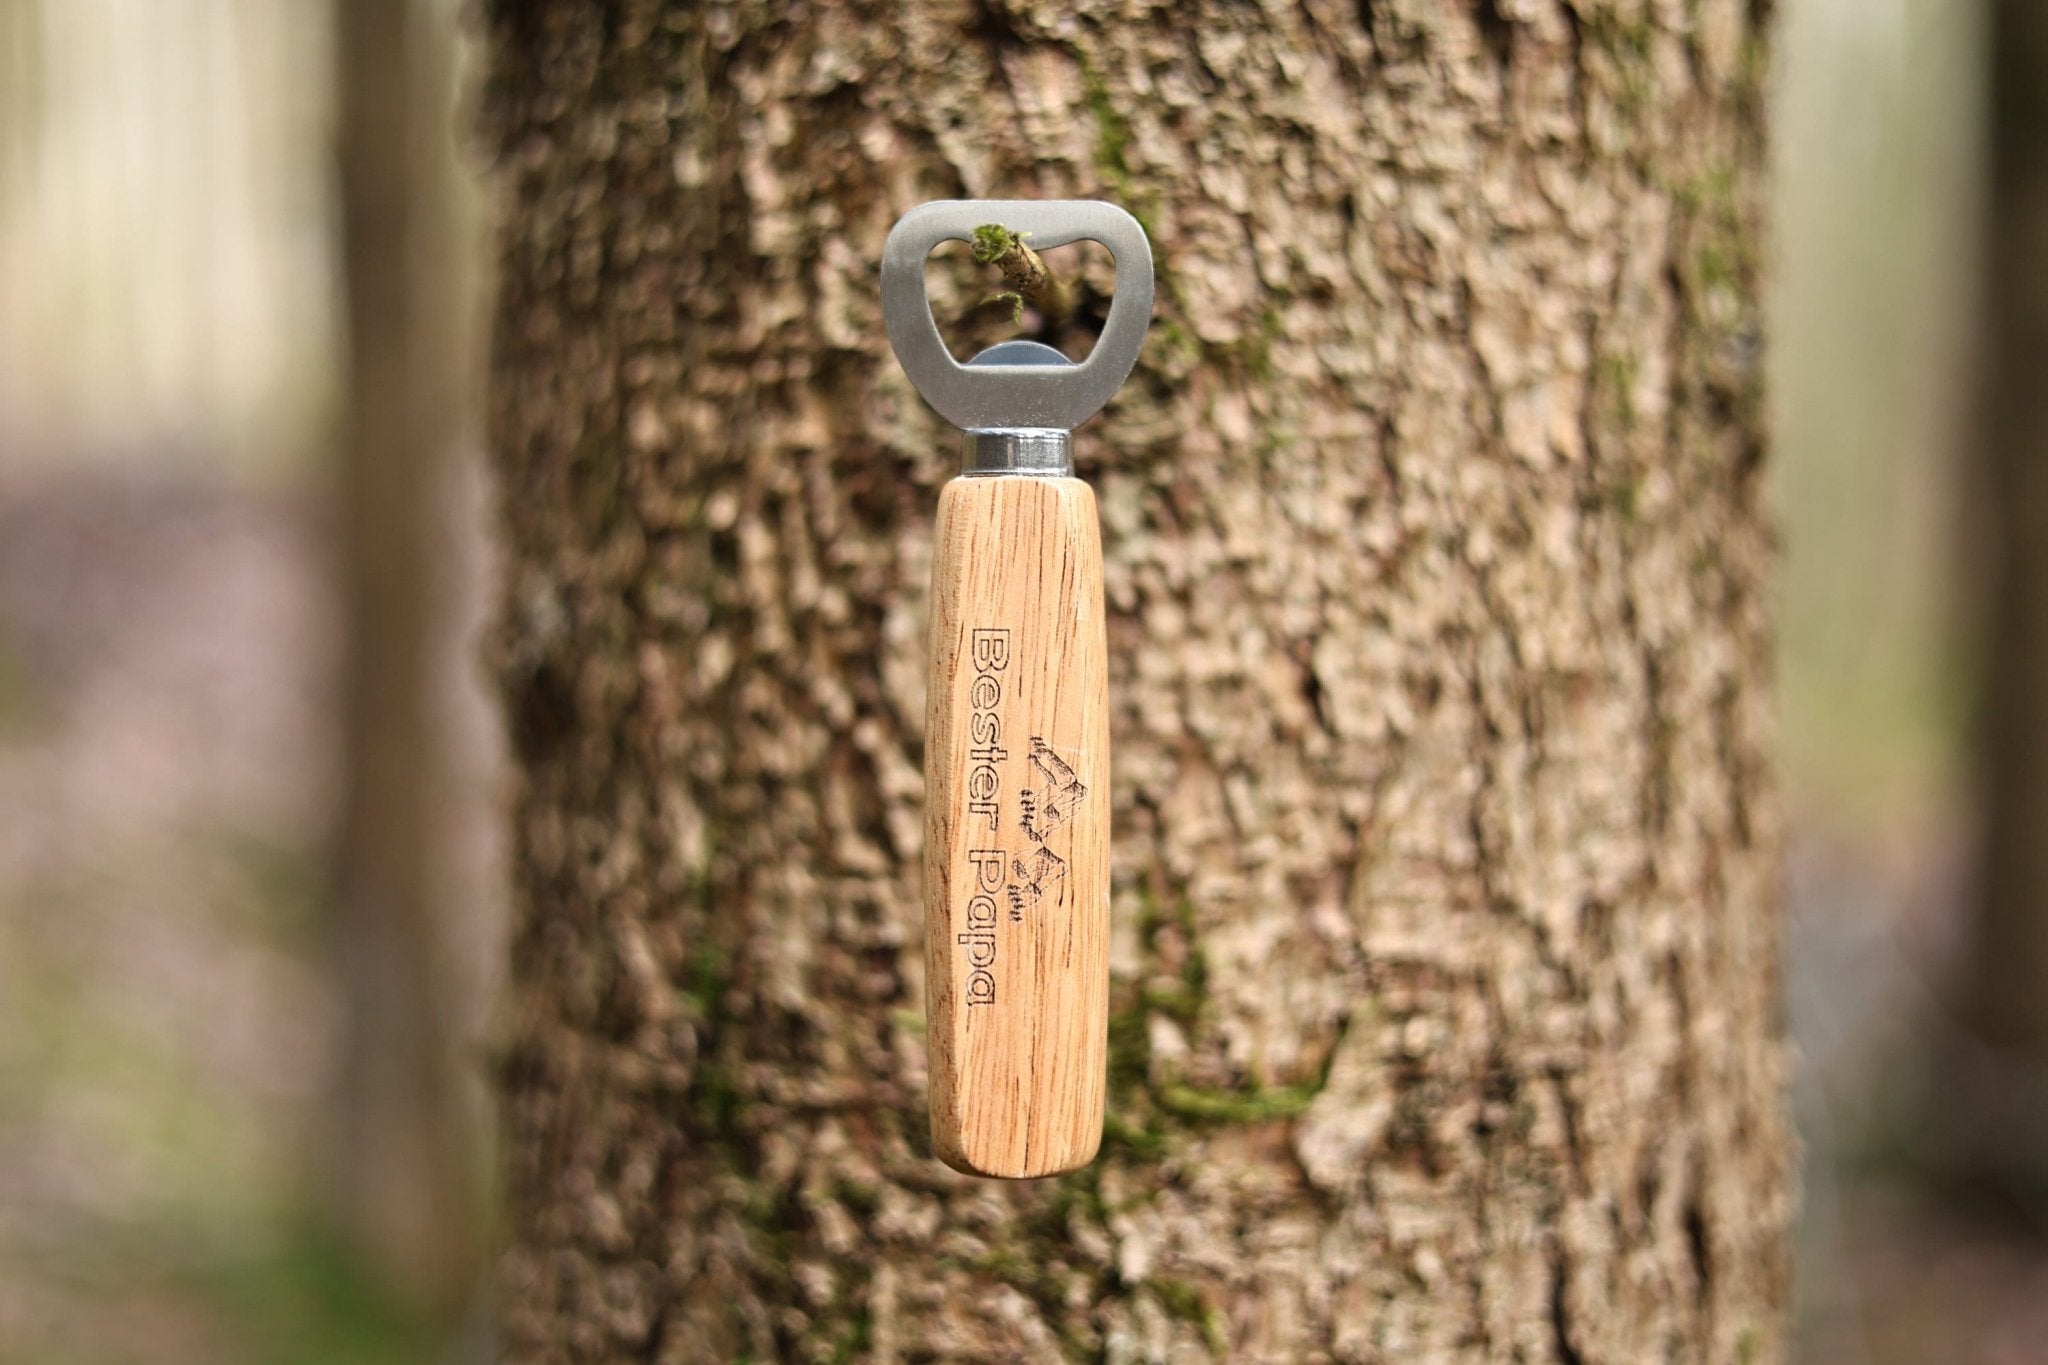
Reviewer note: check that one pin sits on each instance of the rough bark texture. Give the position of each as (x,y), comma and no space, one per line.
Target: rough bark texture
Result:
(1445,1004)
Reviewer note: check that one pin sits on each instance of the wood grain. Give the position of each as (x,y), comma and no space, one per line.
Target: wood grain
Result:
(1017,828)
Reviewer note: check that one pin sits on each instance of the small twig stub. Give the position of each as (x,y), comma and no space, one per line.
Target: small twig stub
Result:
(1024,271)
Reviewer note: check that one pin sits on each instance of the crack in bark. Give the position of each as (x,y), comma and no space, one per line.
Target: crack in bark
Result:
(1560,1314)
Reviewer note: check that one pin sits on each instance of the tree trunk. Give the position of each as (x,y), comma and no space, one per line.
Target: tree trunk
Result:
(2005,991)
(403,1149)
(1445,977)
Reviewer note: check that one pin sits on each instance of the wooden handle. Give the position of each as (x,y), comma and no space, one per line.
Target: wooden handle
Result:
(1017,828)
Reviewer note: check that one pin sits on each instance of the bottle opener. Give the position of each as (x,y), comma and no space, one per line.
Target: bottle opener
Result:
(1016,861)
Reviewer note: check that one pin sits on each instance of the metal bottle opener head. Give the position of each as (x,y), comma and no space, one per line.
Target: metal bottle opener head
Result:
(1018,401)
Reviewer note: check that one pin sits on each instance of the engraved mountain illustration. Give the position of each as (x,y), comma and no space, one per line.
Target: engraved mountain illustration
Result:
(1033,874)
(1052,803)
(1046,807)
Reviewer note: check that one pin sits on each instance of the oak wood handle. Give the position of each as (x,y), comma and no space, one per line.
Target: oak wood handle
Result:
(1017,828)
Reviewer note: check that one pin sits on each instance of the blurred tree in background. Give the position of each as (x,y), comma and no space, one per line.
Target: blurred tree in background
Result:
(1446,977)
(2001,1095)
(404,1146)
(238,1105)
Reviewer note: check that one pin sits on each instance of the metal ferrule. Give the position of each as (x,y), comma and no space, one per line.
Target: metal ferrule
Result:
(1045,451)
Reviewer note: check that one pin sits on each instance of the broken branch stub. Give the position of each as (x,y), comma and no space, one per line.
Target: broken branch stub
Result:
(1024,271)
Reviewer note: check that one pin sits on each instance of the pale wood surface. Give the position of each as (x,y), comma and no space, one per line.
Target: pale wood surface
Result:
(1017,1080)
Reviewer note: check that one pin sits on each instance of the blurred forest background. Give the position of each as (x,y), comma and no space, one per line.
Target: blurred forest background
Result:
(250,898)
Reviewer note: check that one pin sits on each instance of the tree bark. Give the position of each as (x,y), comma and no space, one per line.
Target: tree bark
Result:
(1445,979)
